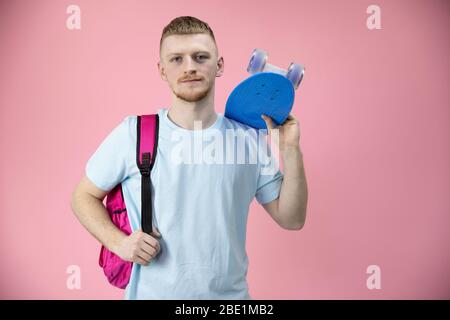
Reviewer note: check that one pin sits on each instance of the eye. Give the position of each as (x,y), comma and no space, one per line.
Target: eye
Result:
(175,59)
(201,57)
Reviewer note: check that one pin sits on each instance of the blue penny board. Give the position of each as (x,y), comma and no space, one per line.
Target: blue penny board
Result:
(266,93)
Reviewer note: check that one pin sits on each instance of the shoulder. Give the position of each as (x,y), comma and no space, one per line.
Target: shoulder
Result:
(124,131)
(129,120)
(127,126)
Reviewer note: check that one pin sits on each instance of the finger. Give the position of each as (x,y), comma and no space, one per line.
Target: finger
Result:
(144,255)
(151,241)
(268,121)
(156,232)
(290,119)
(140,261)
(149,249)
(146,238)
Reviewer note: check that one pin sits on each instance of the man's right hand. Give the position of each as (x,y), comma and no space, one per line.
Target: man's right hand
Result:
(139,247)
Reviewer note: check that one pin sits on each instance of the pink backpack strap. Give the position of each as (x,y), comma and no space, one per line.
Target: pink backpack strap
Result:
(146,146)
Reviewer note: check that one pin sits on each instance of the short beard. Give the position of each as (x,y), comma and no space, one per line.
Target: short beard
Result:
(191,97)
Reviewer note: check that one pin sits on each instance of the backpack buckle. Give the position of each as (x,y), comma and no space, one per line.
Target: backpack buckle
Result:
(145,164)
(145,171)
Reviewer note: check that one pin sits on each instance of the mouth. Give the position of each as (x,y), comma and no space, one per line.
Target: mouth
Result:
(191,81)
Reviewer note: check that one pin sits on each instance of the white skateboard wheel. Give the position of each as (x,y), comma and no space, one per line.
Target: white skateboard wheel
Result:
(257,61)
(295,74)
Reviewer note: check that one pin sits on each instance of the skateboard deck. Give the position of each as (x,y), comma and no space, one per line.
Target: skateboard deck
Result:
(266,93)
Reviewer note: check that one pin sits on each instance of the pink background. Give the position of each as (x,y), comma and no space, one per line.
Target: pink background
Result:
(375,128)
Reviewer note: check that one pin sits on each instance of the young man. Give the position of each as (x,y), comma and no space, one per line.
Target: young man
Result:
(197,248)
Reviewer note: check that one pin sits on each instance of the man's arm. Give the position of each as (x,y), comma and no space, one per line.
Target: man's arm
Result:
(289,209)
(87,205)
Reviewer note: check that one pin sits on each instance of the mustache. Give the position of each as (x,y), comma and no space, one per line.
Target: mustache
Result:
(190,78)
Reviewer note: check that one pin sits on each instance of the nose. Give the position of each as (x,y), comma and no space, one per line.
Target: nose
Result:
(190,66)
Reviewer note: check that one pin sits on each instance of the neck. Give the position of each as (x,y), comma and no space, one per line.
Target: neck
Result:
(184,113)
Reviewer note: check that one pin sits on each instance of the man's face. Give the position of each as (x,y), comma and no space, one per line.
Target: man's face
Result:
(190,64)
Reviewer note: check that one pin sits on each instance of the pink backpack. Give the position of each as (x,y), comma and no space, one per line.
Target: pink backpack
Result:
(117,270)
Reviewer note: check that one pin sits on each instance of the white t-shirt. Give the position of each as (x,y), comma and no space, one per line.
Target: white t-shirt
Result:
(200,206)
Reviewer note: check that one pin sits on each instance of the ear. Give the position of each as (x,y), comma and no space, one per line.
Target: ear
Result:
(161,71)
(220,67)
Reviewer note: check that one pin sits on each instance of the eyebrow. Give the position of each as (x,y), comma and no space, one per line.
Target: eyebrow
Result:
(180,54)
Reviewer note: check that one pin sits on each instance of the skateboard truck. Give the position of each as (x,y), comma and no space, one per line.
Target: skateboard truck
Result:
(258,63)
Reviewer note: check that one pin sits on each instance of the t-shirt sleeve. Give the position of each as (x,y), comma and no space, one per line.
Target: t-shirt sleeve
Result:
(110,163)
(270,178)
